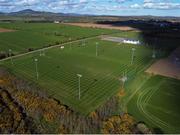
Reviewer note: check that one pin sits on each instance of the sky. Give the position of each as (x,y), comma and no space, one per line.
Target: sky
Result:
(97,7)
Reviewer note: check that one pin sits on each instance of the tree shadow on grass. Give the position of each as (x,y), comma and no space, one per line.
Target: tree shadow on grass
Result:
(158,131)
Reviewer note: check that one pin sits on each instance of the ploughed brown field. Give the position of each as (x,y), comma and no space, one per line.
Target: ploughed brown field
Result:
(5,30)
(166,67)
(103,26)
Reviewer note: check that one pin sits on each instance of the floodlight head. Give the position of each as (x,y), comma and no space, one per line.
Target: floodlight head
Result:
(124,79)
(79,75)
(35,60)
(97,43)
(133,49)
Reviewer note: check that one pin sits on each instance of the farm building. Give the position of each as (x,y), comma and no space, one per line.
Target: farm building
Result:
(130,41)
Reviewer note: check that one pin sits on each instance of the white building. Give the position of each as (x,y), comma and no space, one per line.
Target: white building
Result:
(56,22)
(128,41)
(62,47)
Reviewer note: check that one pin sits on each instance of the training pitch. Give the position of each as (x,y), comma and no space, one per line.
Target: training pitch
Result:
(58,68)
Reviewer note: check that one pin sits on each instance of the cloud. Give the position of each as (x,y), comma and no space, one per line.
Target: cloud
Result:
(18,2)
(160,4)
(119,1)
(27,2)
(148,1)
(82,1)
(157,4)
(88,6)
(135,6)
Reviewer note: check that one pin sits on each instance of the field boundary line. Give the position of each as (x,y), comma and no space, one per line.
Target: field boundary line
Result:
(142,108)
(137,89)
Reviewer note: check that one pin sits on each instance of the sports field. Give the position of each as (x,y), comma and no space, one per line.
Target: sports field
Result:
(152,99)
(58,71)
(30,36)
(155,101)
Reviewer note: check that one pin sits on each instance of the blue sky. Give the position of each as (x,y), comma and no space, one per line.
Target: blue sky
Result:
(99,7)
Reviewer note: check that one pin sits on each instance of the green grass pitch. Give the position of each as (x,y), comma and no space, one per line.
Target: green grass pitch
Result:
(58,71)
(155,101)
(39,35)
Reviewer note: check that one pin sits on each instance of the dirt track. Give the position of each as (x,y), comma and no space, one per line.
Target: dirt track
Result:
(103,26)
(5,30)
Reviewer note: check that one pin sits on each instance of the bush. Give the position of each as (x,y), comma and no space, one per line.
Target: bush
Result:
(3,55)
(30,49)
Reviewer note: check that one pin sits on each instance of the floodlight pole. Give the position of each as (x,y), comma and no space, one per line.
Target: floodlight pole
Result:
(10,54)
(44,52)
(132,58)
(153,55)
(70,43)
(84,42)
(36,63)
(79,84)
(123,85)
(97,49)
(40,53)
(123,79)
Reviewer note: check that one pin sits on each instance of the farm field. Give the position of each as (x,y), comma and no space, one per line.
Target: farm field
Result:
(155,101)
(5,30)
(30,36)
(103,26)
(58,71)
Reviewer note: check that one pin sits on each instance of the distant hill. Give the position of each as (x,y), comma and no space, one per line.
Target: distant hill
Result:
(26,11)
(30,12)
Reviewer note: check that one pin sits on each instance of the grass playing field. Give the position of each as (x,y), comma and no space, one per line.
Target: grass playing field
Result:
(152,99)
(58,71)
(38,35)
(155,101)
